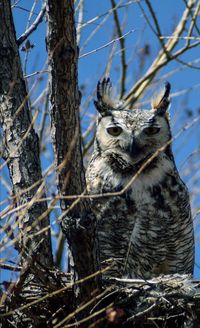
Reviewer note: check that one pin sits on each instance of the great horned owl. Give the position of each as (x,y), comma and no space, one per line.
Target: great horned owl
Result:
(145,226)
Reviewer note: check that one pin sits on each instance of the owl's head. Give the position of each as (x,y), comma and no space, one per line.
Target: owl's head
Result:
(133,135)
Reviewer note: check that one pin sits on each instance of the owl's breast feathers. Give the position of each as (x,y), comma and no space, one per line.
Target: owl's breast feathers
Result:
(147,229)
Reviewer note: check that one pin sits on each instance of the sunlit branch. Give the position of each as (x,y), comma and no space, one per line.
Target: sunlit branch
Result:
(33,26)
(161,59)
(80,21)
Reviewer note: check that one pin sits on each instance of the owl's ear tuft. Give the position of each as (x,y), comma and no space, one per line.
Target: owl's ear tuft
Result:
(161,101)
(105,102)
(103,111)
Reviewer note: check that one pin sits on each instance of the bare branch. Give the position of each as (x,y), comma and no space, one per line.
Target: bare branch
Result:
(193,17)
(10,267)
(36,73)
(161,59)
(94,19)
(122,46)
(80,21)
(93,33)
(157,32)
(33,27)
(107,44)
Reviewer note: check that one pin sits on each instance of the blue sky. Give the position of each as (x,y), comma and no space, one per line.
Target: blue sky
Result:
(92,68)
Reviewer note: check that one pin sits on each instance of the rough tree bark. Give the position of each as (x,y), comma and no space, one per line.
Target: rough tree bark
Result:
(21,146)
(78,223)
(21,153)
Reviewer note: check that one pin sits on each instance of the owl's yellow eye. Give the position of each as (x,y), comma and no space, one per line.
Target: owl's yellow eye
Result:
(151,130)
(114,131)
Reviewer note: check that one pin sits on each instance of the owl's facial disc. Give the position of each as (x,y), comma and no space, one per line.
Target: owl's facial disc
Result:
(131,135)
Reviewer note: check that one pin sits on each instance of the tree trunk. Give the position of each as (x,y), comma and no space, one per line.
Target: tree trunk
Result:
(78,222)
(21,154)
(21,146)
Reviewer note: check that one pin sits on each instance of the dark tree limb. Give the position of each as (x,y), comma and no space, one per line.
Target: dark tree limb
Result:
(10,267)
(79,225)
(21,154)
(21,146)
(123,49)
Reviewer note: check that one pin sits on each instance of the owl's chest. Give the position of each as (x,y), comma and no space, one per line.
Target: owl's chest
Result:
(149,198)
(145,200)
(145,204)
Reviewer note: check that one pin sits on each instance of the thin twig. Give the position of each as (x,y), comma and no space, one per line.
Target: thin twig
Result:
(187,64)
(143,313)
(157,32)
(36,73)
(161,60)
(106,44)
(193,16)
(93,33)
(174,37)
(193,23)
(94,19)
(31,14)
(24,9)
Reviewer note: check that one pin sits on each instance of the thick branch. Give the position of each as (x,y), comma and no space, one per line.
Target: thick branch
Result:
(122,46)
(65,98)
(21,147)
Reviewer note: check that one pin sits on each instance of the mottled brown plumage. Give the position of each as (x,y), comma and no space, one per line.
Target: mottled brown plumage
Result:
(146,230)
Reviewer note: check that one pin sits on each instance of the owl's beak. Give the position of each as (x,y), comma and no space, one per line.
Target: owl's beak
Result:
(135,149)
